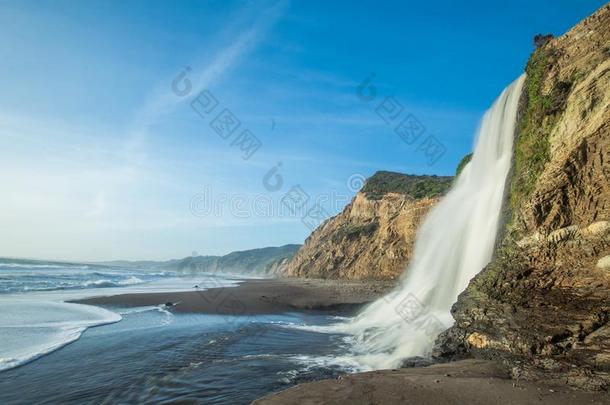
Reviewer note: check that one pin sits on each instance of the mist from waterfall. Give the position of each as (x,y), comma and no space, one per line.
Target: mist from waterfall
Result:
(455,242)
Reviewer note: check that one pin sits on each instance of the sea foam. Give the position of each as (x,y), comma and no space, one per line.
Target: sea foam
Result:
(31,330)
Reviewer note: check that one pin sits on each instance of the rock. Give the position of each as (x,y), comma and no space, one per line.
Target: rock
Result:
(416,362)
(529,240)
(598,228)
(478,340)
(563,234)
(604,263)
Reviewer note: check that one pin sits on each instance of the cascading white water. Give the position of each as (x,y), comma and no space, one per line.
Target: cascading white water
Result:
(454,243)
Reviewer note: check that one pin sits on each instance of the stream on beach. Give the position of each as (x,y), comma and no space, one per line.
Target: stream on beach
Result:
(56,352)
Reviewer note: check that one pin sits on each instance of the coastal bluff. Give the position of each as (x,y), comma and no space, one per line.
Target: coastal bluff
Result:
(534,324)
(373,238)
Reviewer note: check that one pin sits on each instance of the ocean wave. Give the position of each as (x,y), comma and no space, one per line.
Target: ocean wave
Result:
(162,309)
(312,364)
(96,284)
(34,329)
(343,362)
(38,283)
(104,283)
(138,310)
(42,266)
(131,281)
(33,266)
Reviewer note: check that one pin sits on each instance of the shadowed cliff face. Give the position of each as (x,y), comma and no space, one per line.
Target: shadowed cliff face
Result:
(543,304)
(373,237)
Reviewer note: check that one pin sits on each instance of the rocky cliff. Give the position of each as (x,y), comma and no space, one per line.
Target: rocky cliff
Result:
(373,237)
(543,305)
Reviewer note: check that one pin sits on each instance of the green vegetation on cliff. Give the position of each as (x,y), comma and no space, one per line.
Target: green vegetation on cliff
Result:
(538,117)
(465,160)
(538,114)
(532,145)
(416,187)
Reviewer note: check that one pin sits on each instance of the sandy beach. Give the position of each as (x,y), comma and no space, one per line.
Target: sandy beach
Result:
(255,297)
(463,382)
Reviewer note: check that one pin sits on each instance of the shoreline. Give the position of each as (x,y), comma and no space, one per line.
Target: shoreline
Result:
(258,297)
(470,381)
(476,382)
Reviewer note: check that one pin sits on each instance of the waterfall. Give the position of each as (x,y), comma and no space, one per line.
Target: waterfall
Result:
(455,242)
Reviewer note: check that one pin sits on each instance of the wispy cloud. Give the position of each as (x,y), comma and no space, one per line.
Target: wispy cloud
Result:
(207,72)
(88,181)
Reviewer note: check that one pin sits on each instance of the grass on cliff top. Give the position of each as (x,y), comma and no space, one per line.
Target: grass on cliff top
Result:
(532,147)
(416,187)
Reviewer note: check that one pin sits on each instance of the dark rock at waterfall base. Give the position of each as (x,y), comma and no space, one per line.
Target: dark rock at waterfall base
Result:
(417,362)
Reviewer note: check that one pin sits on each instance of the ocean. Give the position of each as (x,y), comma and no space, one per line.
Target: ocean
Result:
(52,351)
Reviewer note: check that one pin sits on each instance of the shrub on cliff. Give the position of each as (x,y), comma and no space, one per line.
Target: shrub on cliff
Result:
(416,187)
(465,160)
(542,39)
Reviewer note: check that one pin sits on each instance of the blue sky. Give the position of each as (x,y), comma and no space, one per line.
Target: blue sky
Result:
(100,159)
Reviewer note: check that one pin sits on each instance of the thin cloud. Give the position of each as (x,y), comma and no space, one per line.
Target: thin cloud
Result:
(163,102)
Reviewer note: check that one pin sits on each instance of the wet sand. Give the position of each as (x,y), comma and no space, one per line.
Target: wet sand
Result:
(472,382)
(464,382)
(254,297)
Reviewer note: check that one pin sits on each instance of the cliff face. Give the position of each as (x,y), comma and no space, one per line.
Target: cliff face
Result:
(543,304)
(373,237)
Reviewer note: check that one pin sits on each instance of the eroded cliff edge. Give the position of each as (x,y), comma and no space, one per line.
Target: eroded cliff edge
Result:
(372,239)
(543,305)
